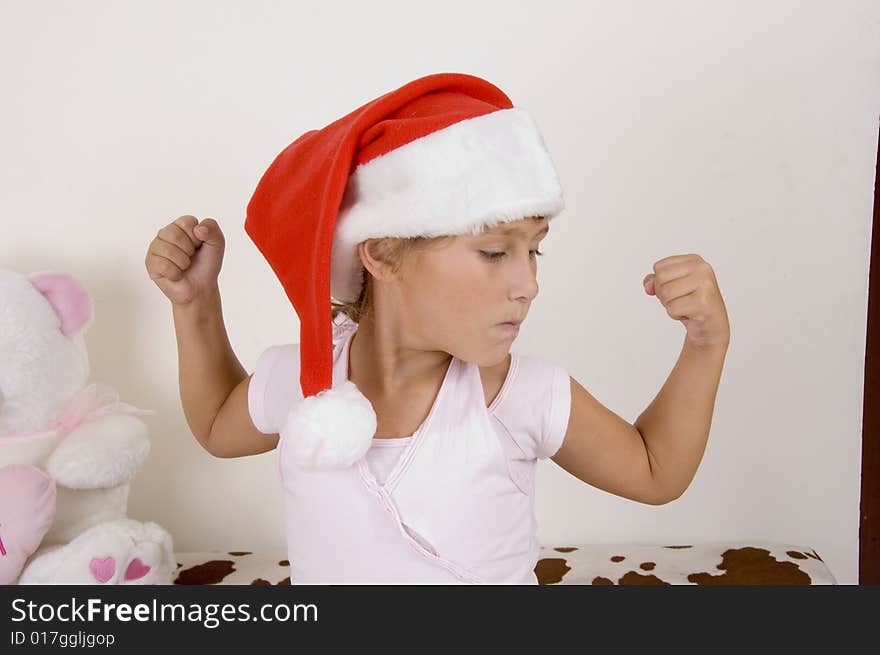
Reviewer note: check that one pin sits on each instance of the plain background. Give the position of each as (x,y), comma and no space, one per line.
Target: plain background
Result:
(745,132)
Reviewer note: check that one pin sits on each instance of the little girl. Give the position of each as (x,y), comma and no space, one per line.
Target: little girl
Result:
(408,430)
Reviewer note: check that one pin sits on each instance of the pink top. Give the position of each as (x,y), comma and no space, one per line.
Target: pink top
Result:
(451,504)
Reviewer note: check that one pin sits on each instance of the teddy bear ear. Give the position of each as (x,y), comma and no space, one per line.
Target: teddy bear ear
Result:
(70,300)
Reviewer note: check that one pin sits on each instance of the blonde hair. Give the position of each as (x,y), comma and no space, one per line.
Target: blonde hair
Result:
(394,251)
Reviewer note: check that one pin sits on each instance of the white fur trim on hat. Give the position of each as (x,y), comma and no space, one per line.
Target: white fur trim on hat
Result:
(475,173)
(332,429)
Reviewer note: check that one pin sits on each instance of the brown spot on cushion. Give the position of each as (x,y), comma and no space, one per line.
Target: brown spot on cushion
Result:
(284,562)
(795,554)
(617,558)
(211,572)
(285,581)
(238,553)
(752,566)
(565,549)
(601,580)
(647,566)
(260,581)
(551,570)
(677,546)
(634,578)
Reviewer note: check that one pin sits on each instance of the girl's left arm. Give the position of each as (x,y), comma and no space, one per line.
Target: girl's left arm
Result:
(675,426)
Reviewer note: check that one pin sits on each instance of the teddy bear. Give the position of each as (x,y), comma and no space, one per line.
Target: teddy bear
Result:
(68,449)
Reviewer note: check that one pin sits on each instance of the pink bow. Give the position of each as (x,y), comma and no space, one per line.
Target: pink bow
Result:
(91,402)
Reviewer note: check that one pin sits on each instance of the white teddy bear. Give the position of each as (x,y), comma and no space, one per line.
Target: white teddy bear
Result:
(68,449)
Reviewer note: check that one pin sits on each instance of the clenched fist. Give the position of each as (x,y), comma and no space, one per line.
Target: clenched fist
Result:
(184,259)
(687,288)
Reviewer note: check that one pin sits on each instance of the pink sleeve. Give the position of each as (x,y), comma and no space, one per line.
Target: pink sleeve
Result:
(534,406)
(274,386)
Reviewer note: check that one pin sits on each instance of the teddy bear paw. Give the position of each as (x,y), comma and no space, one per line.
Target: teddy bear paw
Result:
(123,551)
(101,453)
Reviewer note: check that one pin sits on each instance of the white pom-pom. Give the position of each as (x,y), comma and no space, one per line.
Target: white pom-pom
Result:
(330,430)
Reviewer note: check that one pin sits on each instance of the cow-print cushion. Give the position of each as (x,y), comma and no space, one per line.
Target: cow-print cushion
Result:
(707,564)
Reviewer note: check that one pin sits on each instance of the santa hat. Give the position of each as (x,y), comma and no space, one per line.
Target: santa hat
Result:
(444,154)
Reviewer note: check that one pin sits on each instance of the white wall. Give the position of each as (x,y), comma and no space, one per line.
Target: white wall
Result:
(743,131)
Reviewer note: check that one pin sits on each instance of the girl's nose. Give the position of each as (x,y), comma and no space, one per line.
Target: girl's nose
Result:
(525,284)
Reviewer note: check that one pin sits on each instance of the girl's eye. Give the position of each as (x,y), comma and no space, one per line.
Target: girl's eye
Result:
(495,256)
(492,256)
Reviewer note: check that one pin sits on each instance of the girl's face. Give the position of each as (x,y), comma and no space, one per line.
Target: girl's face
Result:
(457,296)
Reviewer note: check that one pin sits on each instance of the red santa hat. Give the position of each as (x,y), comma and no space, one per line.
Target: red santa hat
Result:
(444,154)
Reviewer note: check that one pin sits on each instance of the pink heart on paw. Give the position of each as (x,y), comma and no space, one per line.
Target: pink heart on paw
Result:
(102,569)
(136,569)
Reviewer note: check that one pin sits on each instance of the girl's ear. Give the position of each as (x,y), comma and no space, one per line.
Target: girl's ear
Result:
(376,256)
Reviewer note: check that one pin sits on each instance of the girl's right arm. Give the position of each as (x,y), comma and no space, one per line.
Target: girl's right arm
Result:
(184,263)
(214,385)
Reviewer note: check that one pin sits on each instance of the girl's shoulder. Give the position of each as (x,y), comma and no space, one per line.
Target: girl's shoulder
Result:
(533,405)
(274,386)
(275,382)
(529,376)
